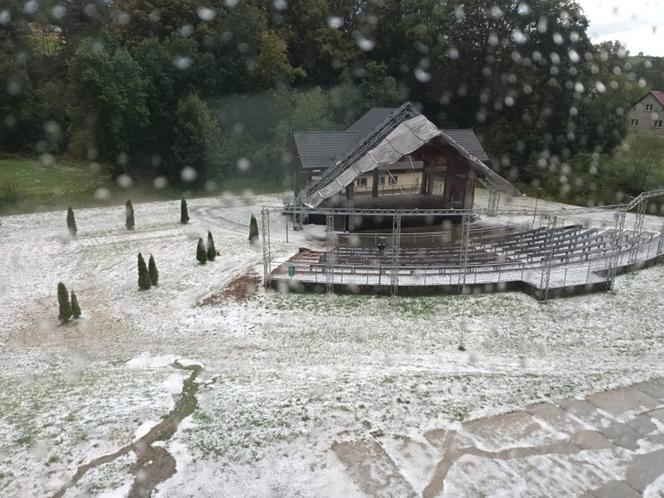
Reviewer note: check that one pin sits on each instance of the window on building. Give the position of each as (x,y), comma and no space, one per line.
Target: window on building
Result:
(393,180)
(657,123)
(361,182)
(634,122)
(648,107)
(381,180)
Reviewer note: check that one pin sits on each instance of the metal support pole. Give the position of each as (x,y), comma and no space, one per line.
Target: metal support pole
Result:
(545,279)
(616,246)
(330,254)
(396,246)
(465,245)
(638,230)
(537,198)
(267,255)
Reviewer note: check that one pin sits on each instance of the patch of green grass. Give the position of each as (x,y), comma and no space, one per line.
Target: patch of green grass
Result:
(30,185)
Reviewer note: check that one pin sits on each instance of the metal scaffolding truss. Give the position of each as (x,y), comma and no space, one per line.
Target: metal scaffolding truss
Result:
(396,251)
(465,244)
(330,254)
(545,278)
(267,250)
(354,211)
(616,247)
(618,250)
(403,113)
(638,229)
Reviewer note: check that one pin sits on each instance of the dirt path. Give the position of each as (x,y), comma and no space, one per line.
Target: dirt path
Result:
(154,464)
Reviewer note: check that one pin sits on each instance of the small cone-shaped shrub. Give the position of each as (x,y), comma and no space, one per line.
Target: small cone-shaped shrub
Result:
(71,222)
(143,274)
(64,313)
(129,216)
(211,250)
(253,230)
(184,212)
(201,253)
(75,308)
(152,271)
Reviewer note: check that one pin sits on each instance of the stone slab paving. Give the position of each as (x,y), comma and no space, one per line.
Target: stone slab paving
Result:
(605,445)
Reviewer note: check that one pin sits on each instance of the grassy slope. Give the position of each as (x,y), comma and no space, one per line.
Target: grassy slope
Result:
(40,186)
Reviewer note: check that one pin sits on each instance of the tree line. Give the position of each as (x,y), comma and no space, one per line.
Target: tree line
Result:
(199,93)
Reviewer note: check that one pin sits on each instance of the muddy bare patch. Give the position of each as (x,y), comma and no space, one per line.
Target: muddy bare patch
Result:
(239,290)
(154,464)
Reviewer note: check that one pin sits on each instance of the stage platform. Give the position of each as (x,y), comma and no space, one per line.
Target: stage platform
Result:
(543,262)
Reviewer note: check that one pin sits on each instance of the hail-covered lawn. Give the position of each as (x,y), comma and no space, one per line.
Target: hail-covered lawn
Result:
(284,376)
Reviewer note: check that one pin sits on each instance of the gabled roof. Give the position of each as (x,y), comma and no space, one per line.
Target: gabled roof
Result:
(659,95)
(406,138)
(371,119)
(467,139)
(319,150)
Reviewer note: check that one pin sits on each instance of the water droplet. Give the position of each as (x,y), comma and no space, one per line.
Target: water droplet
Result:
(124,181)
(335,22)
(182,62)
(206,13)
(188,174)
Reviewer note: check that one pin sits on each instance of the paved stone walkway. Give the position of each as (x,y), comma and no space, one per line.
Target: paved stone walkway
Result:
(606,445)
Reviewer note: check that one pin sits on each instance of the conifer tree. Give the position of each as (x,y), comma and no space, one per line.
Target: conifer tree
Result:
(129,215)
(143,274)
(75,308)
(71,222)
(184,212)
(211,250)
(152,271)
(201,253)
(64,306)
(253,230)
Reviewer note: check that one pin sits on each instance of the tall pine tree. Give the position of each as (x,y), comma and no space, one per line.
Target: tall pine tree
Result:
(64,313)
(143,274)
(253,230)
(211,250)
(129,216)
(71,222)
(152,270)
(184,212)
(201,253)
(75,308)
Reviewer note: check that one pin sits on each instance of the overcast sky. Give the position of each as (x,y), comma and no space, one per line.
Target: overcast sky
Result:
(639,24)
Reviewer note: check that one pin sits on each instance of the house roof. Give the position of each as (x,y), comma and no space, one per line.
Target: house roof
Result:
(659,95)
(467,139)
(370,120)
(406,138)
(321,149)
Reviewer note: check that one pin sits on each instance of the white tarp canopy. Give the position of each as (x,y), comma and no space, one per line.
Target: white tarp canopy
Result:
(405,139)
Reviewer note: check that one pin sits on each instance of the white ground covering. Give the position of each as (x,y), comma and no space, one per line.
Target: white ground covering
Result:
(284,375)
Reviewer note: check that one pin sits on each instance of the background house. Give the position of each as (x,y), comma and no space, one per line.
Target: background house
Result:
(647,114)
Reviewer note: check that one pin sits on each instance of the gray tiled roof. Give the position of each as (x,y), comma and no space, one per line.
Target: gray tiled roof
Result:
(371,120)
(321,149)
(467,139)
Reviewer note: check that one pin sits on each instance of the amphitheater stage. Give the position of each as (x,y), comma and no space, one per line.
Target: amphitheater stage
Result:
(545,263)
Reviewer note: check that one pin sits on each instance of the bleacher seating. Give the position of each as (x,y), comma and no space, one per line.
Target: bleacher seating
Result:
(531,248)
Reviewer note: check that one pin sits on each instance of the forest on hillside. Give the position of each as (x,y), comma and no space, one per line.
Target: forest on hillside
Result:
(210,91)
